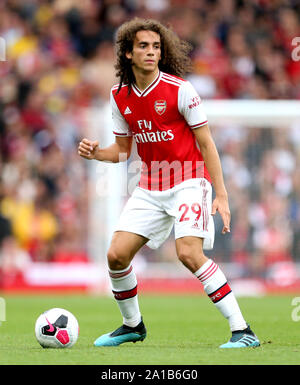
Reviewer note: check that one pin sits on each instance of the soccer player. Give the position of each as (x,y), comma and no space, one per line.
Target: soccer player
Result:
(163,113)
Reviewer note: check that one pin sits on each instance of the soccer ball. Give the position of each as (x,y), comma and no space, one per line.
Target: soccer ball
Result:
(56,328)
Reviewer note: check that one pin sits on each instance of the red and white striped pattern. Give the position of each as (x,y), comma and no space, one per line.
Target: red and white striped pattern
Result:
(120,274)
(193,127)
(171,79)
(146,91)
(126,294)
(167,78)
(207,273)
(124,283)
(120,133)
(220,293)
(217,287)
(205,210)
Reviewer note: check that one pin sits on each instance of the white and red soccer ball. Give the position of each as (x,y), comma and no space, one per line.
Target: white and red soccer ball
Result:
(56,328)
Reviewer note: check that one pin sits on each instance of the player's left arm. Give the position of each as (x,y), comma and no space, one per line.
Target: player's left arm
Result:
(212,161)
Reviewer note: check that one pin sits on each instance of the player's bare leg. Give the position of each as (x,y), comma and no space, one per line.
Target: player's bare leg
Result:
(124,246)
(190,253)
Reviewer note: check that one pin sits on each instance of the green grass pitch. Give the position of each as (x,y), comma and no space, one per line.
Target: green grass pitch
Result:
(182,330)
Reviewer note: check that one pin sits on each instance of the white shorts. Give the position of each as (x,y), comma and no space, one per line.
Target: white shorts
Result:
(187,206)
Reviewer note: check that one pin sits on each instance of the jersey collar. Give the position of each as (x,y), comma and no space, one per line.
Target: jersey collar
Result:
(147,90)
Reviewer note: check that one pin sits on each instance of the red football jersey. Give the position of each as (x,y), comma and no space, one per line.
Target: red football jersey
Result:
(161,119)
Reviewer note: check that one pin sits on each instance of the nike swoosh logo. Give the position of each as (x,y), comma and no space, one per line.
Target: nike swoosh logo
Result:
(51,327)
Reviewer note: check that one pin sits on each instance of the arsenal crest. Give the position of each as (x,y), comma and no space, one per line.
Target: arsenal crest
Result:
(160,106)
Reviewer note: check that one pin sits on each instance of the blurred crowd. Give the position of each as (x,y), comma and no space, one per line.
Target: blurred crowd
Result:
(60,62)
(261,167)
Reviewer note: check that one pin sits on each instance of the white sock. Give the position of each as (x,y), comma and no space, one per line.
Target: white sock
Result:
(124,288)
(216,287)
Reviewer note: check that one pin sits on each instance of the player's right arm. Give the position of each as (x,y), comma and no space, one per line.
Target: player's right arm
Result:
(116,152)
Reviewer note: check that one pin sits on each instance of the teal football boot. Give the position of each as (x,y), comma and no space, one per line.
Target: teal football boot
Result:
(242,339)
(123,334)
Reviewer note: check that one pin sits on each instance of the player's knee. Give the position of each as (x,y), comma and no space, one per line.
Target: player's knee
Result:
(185,255)
(190,256)
(115,260)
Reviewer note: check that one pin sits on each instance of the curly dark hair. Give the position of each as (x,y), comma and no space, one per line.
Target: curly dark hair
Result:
(175,58)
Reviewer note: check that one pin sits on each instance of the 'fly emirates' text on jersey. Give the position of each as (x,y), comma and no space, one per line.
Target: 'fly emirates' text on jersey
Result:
(161,119)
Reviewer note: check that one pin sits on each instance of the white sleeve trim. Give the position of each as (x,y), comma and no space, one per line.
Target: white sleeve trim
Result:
(199,125)
(121,127)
